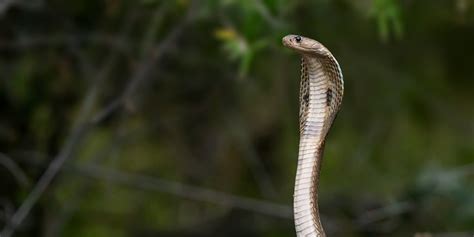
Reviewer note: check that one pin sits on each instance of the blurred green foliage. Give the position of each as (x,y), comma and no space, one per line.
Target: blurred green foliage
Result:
(203,95)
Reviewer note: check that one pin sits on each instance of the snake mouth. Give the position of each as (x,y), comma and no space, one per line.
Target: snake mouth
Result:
(288,41)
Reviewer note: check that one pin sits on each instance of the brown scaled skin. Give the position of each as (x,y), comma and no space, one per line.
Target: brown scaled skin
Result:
(321,93)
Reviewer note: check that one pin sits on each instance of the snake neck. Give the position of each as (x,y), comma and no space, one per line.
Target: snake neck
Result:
(320,95)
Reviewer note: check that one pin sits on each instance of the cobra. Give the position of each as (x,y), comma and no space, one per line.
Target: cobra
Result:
(321,92)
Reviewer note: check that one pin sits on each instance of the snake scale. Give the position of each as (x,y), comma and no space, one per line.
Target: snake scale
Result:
(321,92)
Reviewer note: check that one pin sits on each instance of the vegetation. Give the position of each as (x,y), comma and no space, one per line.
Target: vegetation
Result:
(179,118)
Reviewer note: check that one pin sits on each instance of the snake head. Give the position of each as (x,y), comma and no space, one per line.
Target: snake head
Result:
(304,45)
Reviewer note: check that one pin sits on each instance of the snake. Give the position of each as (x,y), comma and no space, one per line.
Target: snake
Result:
(321,93)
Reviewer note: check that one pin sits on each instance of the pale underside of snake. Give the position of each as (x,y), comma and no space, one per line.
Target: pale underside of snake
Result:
(321,92)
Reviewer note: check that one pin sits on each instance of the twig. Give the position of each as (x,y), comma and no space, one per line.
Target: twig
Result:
(185,191)
(266,14)
(394,209)
(51,171)
(29,41)
(153,27)
(14,169)
(147,65)
(73,203)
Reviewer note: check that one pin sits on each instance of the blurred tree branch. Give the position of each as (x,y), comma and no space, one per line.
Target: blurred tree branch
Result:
(146,65)
(15,170)
(186,191)
(83,123)
(26,42)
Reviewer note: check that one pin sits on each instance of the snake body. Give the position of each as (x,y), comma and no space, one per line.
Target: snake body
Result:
(321,92)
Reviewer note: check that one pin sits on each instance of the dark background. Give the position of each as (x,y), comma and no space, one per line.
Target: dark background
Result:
(180,118)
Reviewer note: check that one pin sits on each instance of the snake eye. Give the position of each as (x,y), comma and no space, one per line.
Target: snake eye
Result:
(298,38)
